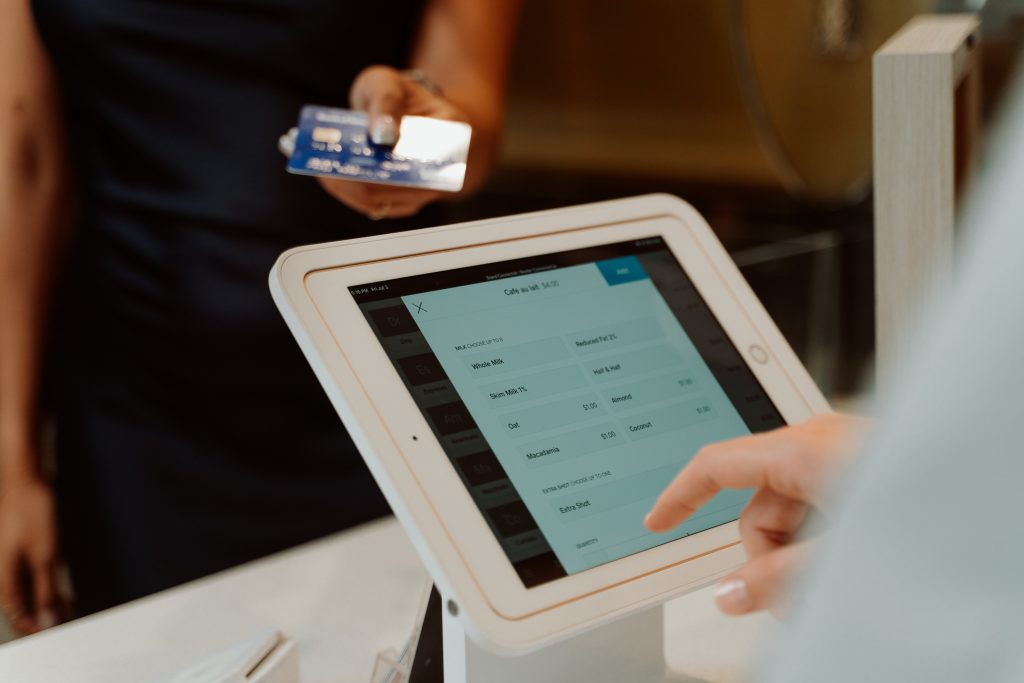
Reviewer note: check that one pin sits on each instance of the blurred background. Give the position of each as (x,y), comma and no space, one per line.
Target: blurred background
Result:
(758,113)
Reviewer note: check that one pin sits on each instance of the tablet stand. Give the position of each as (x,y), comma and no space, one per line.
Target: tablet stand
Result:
(628,650)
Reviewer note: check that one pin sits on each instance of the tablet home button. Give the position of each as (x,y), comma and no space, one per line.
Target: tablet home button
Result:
(758,353)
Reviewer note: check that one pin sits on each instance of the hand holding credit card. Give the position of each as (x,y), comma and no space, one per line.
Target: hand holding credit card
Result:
(430,153)
(402,145)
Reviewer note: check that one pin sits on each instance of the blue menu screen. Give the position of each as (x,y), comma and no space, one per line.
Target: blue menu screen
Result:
(568,390)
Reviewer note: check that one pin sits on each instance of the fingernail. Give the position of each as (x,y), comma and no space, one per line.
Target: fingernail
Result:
(650,522)
(46,619)
(733,597)
(286,143)
(383,131)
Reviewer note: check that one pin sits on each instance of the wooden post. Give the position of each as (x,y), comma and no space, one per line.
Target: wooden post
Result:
(926,121)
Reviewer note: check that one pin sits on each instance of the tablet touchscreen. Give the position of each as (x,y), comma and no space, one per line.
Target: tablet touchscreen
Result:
(567,390)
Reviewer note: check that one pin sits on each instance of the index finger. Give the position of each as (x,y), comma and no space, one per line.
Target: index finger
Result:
(738,464)
(44,586)
(12,600)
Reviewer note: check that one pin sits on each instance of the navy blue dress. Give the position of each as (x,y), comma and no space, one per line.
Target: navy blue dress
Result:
(191,434)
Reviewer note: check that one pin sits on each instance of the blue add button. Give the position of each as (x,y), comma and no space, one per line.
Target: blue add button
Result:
(618,271)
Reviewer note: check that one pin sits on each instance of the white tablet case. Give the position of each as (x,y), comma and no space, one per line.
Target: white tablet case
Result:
(441,553)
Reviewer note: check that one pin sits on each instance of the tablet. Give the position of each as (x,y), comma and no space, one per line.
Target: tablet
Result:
(523,389)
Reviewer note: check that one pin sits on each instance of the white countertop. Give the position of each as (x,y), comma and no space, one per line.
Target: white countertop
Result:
(342,598)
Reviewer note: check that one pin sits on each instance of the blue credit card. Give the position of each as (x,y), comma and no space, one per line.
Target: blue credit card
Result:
(335,143)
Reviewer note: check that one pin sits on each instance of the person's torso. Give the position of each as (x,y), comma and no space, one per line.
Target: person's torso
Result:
(173,109)
(174,106)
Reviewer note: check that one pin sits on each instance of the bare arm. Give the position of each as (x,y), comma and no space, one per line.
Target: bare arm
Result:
(465,46)
(31,196)
(32,200)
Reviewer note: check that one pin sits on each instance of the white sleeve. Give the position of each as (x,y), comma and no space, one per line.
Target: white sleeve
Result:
(921,577)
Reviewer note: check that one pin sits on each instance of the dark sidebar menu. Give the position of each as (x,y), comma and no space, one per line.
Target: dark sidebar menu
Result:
(465,445)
